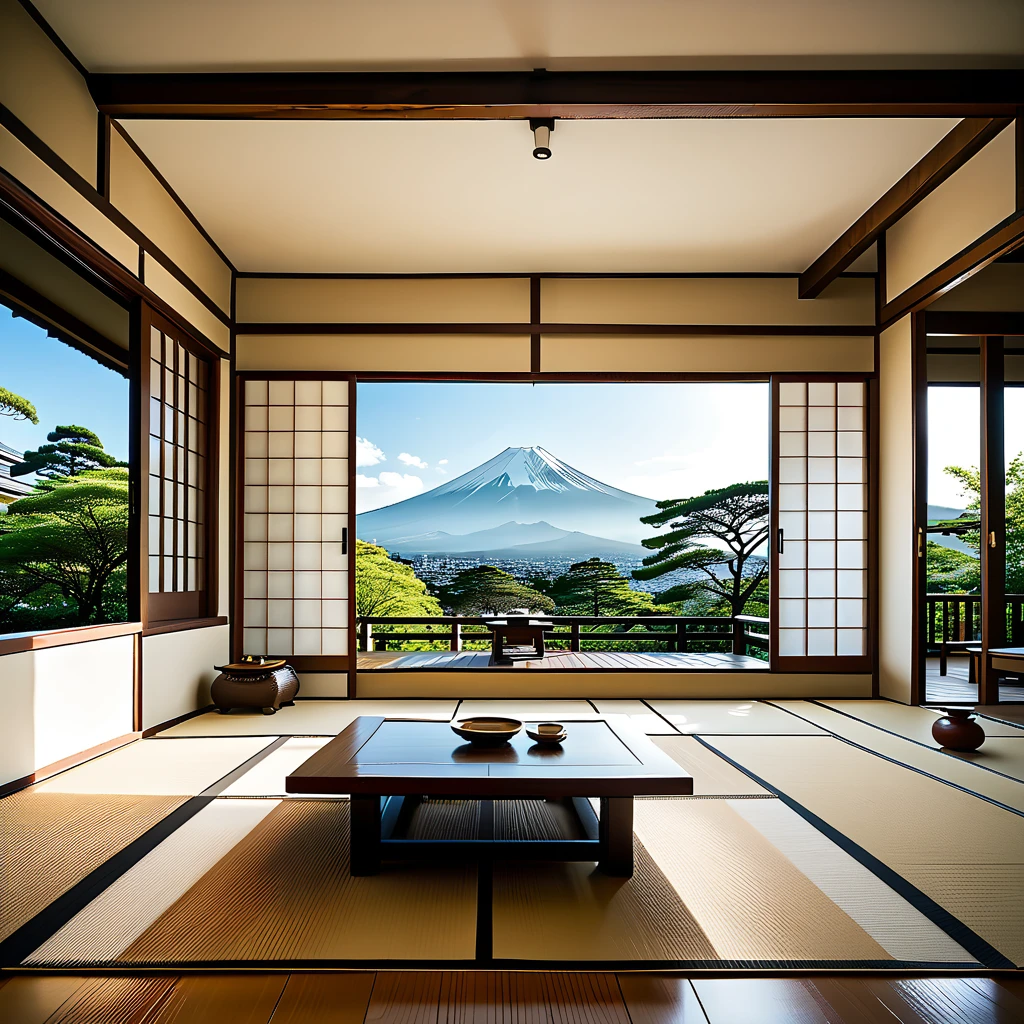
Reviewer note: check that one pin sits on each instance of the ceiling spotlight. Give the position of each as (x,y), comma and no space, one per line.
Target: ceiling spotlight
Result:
(542,127)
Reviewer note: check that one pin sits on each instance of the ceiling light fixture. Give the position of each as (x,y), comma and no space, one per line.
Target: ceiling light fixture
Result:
(542,127)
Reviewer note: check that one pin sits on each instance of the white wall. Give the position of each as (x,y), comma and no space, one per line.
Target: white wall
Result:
(62,700)
(177,669)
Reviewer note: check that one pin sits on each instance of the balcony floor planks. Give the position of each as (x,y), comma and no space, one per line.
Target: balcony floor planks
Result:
(606,661)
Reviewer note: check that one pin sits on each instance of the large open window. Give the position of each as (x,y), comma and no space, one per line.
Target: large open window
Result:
(633,518)
(64,503)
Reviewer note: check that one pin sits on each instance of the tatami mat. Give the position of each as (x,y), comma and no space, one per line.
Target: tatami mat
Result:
(119,915)
(49,841)
(284,893)
(999,753)
(642,716)
(926,831)
(266,777)
(726,717)
(308,718)
(909,720)
(712,774)
(932,760)
(903,930)
(707,886)
(528,710)
(152,768)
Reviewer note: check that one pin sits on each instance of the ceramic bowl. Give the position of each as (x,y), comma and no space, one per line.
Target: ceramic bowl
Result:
(487,732)
(546,732)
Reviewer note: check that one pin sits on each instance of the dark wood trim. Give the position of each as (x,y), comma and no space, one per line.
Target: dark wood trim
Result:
(171,722)
(320,663)
(773,524)
(60,324)
(537,329)
(541,93)
(919,440)
(54,38)
(17,643)
(165,184)
(237,539)
(48,771)
(874,433)
(269,275)
(183,625)
(535,319)
(137,690)
(353,635)
(880,285)
(23,209)
(554,378)
(103,155)
(1001,239)
(954,150)
(86,190)
(1019,155)
(993,514)
(138,469)
(953,323)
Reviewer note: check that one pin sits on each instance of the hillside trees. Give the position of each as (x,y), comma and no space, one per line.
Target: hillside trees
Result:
(595,587)
(386,587)
(485,590)
(16,407)
(737,518)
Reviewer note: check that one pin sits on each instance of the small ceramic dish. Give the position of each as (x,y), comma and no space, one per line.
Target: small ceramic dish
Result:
(546,732)
(487,732)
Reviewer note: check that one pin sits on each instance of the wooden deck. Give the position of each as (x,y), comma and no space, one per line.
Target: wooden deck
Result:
(564,661)
(954,687)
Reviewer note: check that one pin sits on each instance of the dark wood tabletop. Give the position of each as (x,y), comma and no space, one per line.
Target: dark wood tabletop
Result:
(599,757)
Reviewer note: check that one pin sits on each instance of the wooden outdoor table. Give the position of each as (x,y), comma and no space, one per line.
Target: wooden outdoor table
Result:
(516,632)
(387,766)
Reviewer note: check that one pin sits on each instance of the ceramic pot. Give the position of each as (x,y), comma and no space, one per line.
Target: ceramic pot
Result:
(268,687)
(958,730)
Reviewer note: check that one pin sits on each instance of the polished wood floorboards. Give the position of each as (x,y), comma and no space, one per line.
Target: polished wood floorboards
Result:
(506,997)
(608,661)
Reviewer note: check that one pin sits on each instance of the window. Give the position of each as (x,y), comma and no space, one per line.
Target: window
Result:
(181,385)
(64,546)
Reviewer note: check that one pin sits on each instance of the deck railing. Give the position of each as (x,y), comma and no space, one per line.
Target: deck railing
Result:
(953,623)
(740,634)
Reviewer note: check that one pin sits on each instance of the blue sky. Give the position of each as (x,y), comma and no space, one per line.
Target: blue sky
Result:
(65,386)
(658,440)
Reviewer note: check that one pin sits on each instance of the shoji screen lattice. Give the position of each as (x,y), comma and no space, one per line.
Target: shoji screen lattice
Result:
(821,508)
(295,517)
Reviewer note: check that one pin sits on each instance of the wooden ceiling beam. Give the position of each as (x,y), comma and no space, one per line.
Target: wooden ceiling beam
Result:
(951,153)
(568,94)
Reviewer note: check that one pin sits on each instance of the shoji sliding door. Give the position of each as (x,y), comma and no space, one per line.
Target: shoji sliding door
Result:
(820,525)
(296,557)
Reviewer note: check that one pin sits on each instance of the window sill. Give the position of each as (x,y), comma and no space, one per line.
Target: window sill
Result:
(180,625)
(18,643)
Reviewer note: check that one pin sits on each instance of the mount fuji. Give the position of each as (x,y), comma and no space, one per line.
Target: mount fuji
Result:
(523,501)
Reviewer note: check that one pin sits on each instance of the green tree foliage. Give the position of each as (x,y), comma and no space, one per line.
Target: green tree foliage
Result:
(485,590)
(73,450)
(737,517)
(385,587)
(64,549)
(957,572)
(596,588)
(17,407)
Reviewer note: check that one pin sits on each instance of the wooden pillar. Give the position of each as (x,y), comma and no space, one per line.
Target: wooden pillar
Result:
(993,514)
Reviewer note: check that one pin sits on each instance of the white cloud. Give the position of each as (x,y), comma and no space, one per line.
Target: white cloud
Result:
(412,460)
(442,462)
(367,453)
(400,485)
(366,481)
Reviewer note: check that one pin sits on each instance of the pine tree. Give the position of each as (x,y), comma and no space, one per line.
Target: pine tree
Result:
(595,587)
(73,451)
(485,590)
(16,407)
(737,517)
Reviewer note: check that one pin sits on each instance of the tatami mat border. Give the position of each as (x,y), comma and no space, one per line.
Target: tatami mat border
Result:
(31,935)
(909,767)
(910,739)
(952,926)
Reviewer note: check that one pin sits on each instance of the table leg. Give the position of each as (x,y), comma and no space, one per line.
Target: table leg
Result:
(496,646)
(364,834)
(615,835)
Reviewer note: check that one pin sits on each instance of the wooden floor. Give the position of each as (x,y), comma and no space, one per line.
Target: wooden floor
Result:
(954,687)
(430,997)
(606,661)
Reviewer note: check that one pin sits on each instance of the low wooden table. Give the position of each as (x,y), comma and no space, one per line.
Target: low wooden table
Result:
(388,765)
(516,631)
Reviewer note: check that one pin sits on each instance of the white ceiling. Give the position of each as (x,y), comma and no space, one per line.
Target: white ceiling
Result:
(467,196)
(237,35)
